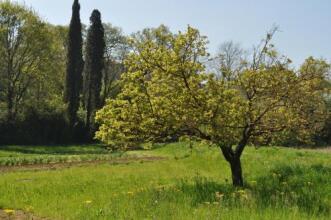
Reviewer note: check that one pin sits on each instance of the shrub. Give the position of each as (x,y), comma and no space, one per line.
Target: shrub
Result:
(42,127)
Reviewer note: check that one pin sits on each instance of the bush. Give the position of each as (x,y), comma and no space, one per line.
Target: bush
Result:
(42,127)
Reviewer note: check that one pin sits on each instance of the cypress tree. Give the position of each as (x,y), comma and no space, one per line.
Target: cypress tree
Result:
(75,65)
(95,47)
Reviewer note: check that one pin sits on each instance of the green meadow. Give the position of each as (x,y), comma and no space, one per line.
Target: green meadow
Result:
(169,181)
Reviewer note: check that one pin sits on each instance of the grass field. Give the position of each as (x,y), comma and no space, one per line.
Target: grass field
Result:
(168,182)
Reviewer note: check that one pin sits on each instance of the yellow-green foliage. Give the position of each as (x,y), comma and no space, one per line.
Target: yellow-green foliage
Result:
(31,60)
(167,92)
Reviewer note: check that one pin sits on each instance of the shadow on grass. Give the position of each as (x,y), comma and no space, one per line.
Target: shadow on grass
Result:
(306,188)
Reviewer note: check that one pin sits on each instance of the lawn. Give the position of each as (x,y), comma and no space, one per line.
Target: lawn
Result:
(168,182)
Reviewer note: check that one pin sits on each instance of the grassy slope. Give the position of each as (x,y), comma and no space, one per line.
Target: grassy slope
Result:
(283,184)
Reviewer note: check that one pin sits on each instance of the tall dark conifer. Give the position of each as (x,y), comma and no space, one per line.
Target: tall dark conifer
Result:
(95,47)
(75,65)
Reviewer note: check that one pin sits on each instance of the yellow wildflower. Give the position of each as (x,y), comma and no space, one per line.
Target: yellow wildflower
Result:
(28,208)
(219,195)
(88,202)
(9,211)
(245,196)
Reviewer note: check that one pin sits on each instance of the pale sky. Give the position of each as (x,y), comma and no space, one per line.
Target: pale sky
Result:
(305,24)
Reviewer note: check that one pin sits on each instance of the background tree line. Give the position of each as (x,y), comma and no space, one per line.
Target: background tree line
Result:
(53,79)
(34,69)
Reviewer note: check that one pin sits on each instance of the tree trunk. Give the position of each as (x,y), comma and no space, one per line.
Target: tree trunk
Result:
(236,171)
(10,106)
(233,159)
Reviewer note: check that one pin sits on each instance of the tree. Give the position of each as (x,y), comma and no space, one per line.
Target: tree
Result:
(230,60)
(313,65)
(26,46)
(115,51)
(166,92)
(95,48)
(48,91)
(75,65)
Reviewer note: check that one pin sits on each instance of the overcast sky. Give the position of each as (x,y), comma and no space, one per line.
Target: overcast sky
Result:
(305,24)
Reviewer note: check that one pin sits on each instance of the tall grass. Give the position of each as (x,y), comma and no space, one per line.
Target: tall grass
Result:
(280,184)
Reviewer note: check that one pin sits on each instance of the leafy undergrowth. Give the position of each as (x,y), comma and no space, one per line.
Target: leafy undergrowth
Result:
(193,184)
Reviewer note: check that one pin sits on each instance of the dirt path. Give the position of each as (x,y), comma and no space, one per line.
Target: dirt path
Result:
(324,149)
(327,150)
(58,166)
(18,215)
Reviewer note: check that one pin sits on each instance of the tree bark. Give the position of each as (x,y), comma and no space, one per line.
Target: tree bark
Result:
(10,106)
(233,159)
(236,171)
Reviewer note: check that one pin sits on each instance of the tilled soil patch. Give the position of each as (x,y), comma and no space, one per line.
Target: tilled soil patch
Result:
(58,166)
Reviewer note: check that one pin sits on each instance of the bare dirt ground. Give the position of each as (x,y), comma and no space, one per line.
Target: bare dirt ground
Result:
(59,166)
(324,149)
(18,215)
(327,150)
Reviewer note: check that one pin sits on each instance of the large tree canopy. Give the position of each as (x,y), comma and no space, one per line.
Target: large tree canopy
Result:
(28,53)
(167,93)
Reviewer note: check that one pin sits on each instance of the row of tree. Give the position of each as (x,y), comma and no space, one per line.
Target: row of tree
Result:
(53,79)
(87,87)
(48,94)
